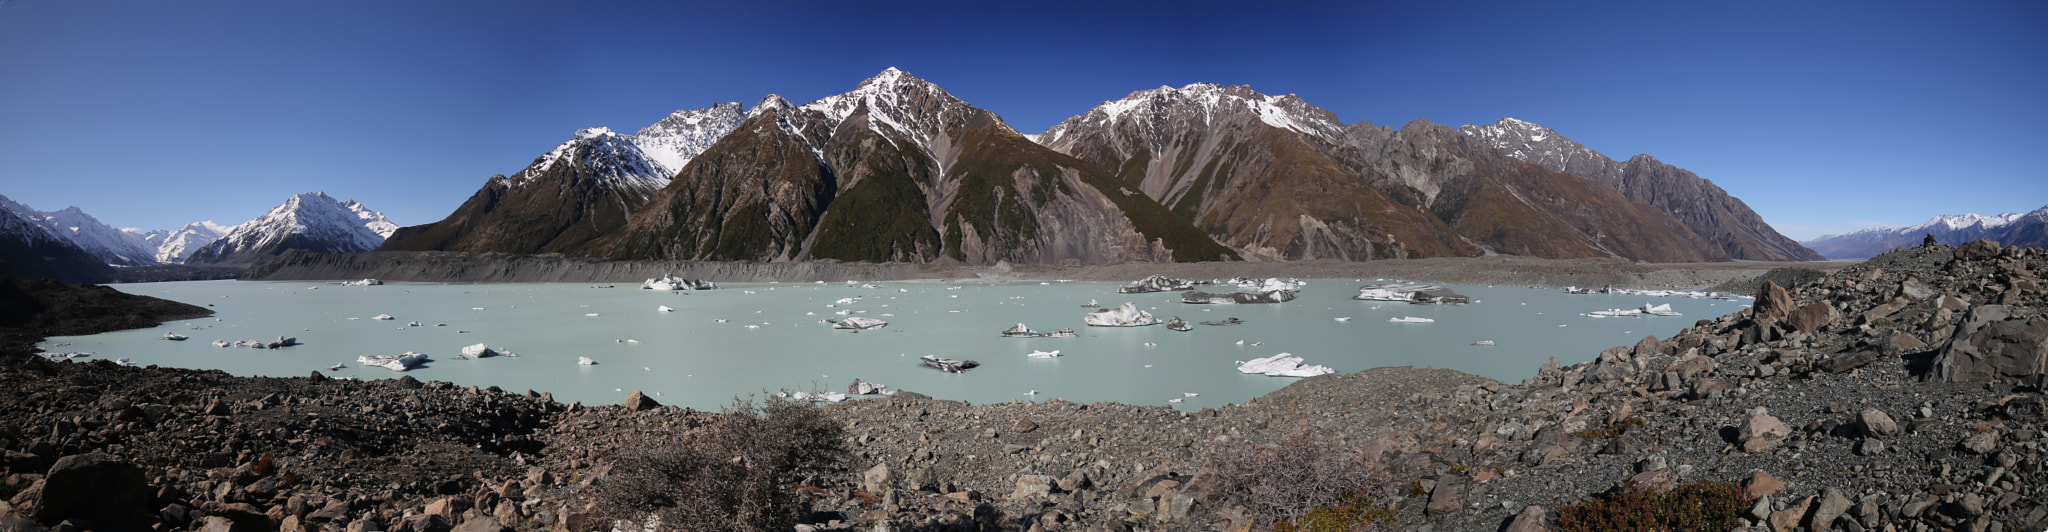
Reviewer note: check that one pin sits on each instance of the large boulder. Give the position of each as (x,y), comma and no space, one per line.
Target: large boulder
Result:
(96,486)
(1772,302)
(1811,318)
(1990,345)
(637,401)
(1977,250)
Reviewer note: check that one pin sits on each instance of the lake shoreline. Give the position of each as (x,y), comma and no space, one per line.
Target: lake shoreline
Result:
(453,267)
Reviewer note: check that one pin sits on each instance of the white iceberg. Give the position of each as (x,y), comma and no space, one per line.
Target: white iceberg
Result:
(664,308)
(822,397)
(1659,310)
(1044,354)
(364,282)
(478,351)
(1615,313)
(1125,315)
(1409,319)
(175,337)
(1283,365)
(383,317)
(671,282)
(393,362)
(858,322)
(585,361)
(220,343)
(861,387)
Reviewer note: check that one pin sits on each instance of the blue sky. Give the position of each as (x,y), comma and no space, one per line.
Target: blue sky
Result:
(1823,116)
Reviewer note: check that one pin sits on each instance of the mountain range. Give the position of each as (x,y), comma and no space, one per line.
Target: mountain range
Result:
(2022,229)
(898,169)
(74,246)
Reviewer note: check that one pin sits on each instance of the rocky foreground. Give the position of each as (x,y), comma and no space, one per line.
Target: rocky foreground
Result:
(1899,394)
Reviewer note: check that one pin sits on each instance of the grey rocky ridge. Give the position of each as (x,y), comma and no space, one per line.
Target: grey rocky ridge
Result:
(1898,394)
(2013,228)
(312,221)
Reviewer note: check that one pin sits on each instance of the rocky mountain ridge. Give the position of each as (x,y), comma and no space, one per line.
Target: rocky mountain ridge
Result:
(174,246)
(2012,228)
(107,244)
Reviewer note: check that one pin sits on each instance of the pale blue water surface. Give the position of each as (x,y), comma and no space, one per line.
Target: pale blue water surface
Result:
(688,358)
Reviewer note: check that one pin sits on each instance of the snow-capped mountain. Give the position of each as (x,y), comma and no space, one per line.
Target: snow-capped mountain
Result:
(1713,214)
(582,188)
(109,245)
(1206,103)
(312,221)
(2012,228)
(30,251)
(174,246)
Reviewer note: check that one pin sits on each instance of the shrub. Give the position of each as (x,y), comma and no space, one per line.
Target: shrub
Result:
(1297,484)
(740,473)
(1610,431)
(1699,506)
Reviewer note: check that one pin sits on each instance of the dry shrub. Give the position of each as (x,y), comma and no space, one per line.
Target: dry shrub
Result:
(1299,483)
(1697,506)
(740,473)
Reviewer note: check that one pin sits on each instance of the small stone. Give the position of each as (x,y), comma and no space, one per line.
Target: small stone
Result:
(1832,505)
(1869,447)
(1982,443)
(637,401)
(1532,519)
(876,479)
(1659,480)
(1074,481)
(1030,486)
(1876,423)
(1793,513)
(1762,484)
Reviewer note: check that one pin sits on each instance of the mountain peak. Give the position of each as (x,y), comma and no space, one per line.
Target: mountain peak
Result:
(312,220)
(768,103)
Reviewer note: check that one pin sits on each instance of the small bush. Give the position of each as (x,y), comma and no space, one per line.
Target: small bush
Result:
(1352,512)
(738,474)
(1300,483)
(1610,431)
(1698,506)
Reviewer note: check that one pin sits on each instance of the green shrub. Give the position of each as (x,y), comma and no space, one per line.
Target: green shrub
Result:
(1698,506)
(740,473)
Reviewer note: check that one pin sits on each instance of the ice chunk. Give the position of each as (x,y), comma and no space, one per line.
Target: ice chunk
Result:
(1283,365)
(393,362)
(1125,315)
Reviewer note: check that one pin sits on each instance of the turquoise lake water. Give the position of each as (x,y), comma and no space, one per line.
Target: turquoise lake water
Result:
(688,357)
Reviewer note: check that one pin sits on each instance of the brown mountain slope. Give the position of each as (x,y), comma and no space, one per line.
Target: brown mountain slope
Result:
(755,195)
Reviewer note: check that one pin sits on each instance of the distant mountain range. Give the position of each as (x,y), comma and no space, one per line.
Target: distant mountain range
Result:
(2023,229)
(74,246)
(900,170)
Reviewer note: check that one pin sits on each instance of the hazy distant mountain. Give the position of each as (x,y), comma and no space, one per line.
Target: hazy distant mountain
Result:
(2024,229)
(30,251)
(584,188)
(312,221)
(109,245)
(1708,211)
(174,246)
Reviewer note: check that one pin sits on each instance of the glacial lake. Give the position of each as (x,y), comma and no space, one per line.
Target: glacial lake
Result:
(689,357)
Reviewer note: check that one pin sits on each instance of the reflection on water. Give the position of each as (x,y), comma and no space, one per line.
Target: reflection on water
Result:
(748,338)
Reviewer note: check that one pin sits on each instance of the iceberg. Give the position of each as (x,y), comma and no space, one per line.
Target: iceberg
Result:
(1411,293)
(283,341)
(364,282)
(585,361)
(1125,315)
(1225,322)
(1268,284)
(1660,310)
(1615,313)
(1156,283)
(821,397)
(671,283)
(1062,333)
(1237,298)
(664,308)
(393,362)
(175,337)
(947,365)
(383,317)
(859,323)
(1483,342)
(1020,331)
(1043,354)
(1179,324)
(220,343)
(478,351)
(1091,304)
(1283,365)
(1409,319)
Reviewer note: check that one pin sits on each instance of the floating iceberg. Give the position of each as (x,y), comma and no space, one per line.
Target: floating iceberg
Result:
(948,365)
(858,323)
(1237,298)
(1483,342)
(1268,284)
(383,317)
(1125,315)
(1659,310)
(393,362)
(1283,365)
(364,282)
(1091,304)
(1020,331)
(671,282)
(585,361)
(175,337)
(1225,322)
(1409,319)
(283,341)
(1156,283)
(220,343)
(1411,293)
(1179,324)
(1616,313)
(1043,354)
(478,351)
(822,397)
(125,362)
(664,308)
(1062,333)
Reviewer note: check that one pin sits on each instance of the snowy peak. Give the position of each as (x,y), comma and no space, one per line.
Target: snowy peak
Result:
(1206,104)
(901,103)
(1536,144)
(313,221)
(2023,229)
(769,103)
(645,161)
(174,246)
(73,225)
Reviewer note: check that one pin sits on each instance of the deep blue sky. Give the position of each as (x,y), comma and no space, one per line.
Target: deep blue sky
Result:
(1823,116)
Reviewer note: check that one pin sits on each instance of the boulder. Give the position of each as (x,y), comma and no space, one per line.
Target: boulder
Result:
(1915,290)
(1448,496)
(637,401)
(482,524)
(1977,250)
(1789,518)
(1876,423)
(1991,346)
(1832,504)
(1032,486)
(1761,431)
(1532,519)
(1772,302)
(1659,480)
(1811,318)
(1762,484)
(97,486)
(876,479)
